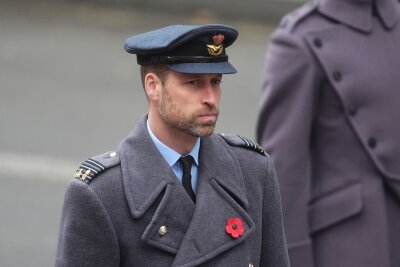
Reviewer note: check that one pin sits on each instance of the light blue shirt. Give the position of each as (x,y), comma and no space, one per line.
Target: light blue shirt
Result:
(172,157)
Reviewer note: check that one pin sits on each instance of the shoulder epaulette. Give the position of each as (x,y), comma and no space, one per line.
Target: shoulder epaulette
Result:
(93,166)
(290,20)
(240,141)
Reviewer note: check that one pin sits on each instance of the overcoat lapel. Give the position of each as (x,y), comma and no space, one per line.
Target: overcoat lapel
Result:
(196,233)
(220,196)
(148,178)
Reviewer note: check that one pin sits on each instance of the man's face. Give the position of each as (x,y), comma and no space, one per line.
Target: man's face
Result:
(190,102)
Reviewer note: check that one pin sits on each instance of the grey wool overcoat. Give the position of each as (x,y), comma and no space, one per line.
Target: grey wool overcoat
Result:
(135,212)
(330,119)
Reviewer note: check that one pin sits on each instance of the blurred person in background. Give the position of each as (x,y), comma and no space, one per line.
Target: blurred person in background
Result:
(329,117)
(174,193)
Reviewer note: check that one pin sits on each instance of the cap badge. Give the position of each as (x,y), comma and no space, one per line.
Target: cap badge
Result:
(217,48)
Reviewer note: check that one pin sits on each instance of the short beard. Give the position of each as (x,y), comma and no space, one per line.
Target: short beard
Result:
(172,116)
(200,129)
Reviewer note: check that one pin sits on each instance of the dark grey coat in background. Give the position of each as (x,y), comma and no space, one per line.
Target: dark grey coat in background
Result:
(330,118)
(115,220)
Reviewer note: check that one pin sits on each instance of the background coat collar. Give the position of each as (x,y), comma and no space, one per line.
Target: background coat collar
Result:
(358,13)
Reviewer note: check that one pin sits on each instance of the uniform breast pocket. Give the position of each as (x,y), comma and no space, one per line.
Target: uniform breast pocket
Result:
(335,208)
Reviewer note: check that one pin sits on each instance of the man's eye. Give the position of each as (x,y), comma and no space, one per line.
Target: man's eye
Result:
(194,82)
(217,82)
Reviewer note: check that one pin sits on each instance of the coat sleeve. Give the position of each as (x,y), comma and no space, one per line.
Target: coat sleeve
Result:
(274,249)
(86,235)
(284,131)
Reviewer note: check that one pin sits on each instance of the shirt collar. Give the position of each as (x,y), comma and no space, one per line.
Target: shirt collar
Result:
(358,13)
(170,155)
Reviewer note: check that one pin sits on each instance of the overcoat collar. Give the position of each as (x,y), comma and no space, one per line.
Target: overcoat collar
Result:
(358,13)
(196,232)
(145,173)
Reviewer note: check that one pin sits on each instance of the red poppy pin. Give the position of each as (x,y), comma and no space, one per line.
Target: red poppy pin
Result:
(234,227)
(218,39)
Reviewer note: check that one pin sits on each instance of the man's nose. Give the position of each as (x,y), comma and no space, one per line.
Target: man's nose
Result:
(210,94)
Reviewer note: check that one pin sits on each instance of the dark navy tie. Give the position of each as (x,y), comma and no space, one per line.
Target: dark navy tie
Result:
(187,162)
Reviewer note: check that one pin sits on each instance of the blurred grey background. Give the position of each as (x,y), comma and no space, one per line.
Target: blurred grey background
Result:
(68,91)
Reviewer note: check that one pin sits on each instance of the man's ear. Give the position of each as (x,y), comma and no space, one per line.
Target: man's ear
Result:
(152,85)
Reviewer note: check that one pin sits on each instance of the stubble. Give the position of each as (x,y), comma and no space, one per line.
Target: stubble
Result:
(187,123)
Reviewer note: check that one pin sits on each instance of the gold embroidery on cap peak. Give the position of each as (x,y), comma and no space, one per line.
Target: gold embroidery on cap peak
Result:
(217,48)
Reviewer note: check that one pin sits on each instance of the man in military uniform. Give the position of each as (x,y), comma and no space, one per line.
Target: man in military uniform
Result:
(329,118)
(174,193)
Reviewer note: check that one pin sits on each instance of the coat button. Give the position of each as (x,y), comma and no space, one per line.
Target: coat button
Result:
(317,43)
(352,109)
(112,154)
(163,230)
(337,76)
(372,142)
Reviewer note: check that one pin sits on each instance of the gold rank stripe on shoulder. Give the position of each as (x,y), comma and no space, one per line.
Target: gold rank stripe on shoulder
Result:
(252,145)
(88,170)
(240,141)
